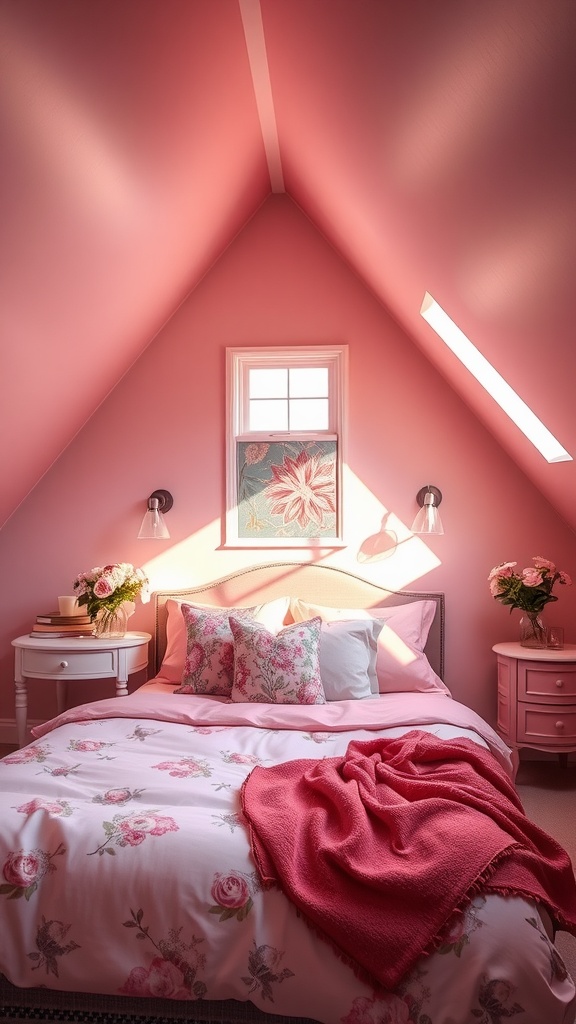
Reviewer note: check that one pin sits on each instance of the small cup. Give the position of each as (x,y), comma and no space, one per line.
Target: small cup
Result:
(68,605)
(555,637)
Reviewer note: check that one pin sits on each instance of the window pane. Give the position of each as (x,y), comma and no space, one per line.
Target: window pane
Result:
(272,383)
(309,414)
(268,415)
(309,382)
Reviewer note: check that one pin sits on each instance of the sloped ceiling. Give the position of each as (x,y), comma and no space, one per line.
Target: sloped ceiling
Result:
(433,143)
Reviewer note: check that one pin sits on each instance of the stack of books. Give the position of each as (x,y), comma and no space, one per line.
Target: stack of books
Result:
(52,624)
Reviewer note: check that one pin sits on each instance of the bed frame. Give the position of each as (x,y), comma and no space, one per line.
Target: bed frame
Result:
(312,582)
(315,583)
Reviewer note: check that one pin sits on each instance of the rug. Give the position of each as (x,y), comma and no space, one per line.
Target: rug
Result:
(19,1006)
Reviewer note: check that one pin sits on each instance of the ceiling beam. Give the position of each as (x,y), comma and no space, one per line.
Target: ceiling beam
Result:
(258,58)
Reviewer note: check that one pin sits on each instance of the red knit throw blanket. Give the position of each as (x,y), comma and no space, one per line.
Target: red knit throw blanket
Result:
(379,847)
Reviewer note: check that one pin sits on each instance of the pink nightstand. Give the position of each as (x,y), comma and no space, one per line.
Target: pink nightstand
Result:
(537,699)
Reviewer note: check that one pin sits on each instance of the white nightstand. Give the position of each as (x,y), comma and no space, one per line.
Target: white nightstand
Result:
(537,699)
(77,658)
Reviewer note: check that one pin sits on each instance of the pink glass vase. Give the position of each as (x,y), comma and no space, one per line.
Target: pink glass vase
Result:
(532,631)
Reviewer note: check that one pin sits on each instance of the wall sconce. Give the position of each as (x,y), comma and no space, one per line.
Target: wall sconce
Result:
(428,518)
(153,525)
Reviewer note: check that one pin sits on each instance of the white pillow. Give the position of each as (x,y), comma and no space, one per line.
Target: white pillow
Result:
(401,665)
(348,658)
(271,614)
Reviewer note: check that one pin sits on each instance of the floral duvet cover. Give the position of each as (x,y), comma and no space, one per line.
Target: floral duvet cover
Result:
(126,869)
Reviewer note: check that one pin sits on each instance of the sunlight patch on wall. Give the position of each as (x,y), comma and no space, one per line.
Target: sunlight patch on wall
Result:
(493,382)
(189,562)
(379,548)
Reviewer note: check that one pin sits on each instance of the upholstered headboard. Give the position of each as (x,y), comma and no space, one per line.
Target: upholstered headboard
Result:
(315,583)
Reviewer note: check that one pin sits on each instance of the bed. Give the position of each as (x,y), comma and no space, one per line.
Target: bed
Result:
(213,847)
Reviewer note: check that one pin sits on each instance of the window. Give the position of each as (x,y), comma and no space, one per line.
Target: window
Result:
(477,364)
(285,443)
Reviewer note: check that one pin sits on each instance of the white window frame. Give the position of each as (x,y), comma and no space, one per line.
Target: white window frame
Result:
(238,363)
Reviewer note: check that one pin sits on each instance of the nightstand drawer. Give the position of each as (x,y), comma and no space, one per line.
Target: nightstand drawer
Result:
(547,683)
(547,725)
(74,664)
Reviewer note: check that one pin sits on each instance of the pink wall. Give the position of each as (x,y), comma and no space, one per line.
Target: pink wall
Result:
(164,426)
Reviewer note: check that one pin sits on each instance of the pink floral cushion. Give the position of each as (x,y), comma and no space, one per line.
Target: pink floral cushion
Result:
(271,613)
(209,661)
(277,669)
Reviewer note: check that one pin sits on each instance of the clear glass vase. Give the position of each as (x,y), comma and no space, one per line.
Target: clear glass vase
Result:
(532,630)
(111,622)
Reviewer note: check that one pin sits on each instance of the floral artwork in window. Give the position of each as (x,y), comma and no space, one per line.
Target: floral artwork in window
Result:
(287,490)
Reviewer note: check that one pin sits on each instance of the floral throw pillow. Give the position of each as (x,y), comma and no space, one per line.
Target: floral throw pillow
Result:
(277,669)
(209,662)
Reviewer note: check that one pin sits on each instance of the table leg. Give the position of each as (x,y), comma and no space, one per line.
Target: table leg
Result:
(21,707)
(122,677)
(563,760)
(61,695)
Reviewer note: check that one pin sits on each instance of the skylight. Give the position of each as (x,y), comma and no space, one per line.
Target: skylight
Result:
(493,382)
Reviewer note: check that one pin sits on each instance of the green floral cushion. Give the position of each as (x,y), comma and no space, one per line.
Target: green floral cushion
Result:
(277,669)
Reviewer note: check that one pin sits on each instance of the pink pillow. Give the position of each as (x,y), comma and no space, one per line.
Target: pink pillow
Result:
(401,665)
(281,669)
(171,671)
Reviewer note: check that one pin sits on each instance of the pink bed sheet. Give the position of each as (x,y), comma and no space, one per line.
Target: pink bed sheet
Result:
(127,869)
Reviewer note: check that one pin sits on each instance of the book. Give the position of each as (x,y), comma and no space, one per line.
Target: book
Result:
(63,627)
(54,618)
(70,634)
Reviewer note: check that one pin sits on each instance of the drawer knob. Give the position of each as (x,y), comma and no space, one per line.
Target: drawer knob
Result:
(559,726)
(559,683)
(63,664)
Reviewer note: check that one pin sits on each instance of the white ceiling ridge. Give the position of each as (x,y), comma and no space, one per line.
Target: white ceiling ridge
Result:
(256,45)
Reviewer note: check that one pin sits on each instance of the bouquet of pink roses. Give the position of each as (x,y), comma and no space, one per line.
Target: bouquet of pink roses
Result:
(107,587)
(529,590)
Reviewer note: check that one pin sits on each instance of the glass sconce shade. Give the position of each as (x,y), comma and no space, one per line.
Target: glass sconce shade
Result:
(153,524)
(428,518)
